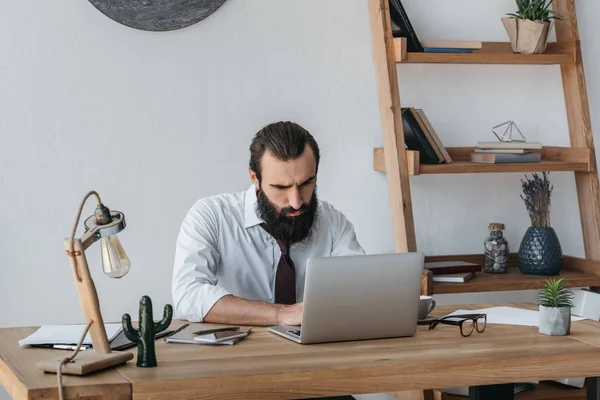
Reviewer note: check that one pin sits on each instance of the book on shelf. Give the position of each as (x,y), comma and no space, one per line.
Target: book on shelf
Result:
(401,26)
(446,50)
(510,145)
(451,267)
(460,277)
(432,134)
(452,44)
(499,158)
(420,136)
(506,152)
(502,151)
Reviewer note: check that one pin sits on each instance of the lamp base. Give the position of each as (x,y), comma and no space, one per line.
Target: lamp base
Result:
(85,362)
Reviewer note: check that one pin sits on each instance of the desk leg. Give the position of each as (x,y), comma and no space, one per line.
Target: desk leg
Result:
(593,388)
(493,392)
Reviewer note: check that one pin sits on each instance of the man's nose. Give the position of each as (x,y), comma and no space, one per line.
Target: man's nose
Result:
(295,200)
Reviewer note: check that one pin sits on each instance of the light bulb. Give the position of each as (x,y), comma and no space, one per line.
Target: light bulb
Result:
(114,259)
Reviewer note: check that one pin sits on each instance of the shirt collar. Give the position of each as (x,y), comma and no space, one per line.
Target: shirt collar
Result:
(250,217)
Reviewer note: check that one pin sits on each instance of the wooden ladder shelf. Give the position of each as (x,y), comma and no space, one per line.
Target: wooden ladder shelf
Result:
(399,164)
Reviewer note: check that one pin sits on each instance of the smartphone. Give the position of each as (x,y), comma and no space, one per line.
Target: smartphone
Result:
(223,336)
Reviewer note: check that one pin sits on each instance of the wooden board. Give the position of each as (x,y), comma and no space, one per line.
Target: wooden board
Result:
(21,379)
(400,199)
(267,366)
(580,131)
(553,159)
(577,272)
(493,53)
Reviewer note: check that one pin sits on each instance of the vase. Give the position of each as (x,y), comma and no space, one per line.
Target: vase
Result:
(555,321)
(527,36)
(540,252)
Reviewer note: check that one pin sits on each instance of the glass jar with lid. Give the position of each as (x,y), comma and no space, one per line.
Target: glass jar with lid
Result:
(496,250)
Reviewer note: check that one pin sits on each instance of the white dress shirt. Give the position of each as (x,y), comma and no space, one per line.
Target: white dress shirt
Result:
(222,249)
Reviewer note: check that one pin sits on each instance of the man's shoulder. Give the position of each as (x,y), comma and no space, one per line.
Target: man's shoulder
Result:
(329,211)
(219,204)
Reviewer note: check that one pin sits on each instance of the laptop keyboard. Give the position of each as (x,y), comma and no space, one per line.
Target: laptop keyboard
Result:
(295,332)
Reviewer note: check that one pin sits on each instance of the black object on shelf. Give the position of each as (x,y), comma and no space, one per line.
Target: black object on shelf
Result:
(401,26)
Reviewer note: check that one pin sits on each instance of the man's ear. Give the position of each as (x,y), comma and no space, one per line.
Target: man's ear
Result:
(253,178)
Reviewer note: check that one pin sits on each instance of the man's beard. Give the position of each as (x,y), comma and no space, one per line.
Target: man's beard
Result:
(287,228)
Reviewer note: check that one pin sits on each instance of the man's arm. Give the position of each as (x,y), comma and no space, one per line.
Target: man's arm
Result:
(233,310)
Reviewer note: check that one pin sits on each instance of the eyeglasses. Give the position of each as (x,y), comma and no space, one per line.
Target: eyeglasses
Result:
(467,322)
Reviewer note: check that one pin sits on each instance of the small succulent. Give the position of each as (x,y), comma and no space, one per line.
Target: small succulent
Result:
(537,193)
(535,10)
(555,294)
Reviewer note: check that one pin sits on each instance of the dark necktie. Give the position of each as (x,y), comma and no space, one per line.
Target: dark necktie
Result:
(285,278)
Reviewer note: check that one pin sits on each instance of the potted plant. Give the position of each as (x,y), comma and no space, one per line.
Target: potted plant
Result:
(540,252)
(555,301)
(529,26)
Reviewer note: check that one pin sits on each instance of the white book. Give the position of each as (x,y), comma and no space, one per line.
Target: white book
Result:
(509,145)
(66,334)
(452,44)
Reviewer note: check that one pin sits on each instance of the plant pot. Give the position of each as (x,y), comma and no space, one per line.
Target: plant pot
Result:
(527,36)
(555,321)
(540,252)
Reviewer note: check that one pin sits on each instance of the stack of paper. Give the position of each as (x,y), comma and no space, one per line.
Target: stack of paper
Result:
(66,334)
(509,315)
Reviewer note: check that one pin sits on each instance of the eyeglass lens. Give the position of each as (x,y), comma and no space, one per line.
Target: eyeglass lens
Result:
(468,325)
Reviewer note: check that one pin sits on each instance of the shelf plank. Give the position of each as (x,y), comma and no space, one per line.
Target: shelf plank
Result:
(574,274)
(513,280)
(553,159)
(492,53)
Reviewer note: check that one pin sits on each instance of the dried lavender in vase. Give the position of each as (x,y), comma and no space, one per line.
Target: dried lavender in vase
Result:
(540,252)
(537,193)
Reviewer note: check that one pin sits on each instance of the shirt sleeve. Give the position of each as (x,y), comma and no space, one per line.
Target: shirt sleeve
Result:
(197,259)
(344,237)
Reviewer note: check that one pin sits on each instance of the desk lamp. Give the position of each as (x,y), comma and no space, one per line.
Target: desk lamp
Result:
(102,226)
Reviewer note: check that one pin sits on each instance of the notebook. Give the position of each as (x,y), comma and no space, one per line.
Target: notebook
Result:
(66,335)
(187,335)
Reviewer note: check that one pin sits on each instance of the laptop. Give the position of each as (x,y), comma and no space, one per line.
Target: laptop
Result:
(358,297)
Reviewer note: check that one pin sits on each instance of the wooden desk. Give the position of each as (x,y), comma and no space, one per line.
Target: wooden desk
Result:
(22,381)
(266,366)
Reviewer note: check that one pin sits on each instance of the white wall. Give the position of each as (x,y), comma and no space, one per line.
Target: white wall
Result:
(155,120)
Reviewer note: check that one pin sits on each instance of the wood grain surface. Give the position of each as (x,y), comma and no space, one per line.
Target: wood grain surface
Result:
(267,366)
(22,380)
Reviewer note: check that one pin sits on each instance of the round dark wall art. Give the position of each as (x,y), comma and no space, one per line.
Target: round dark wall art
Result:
(157,15)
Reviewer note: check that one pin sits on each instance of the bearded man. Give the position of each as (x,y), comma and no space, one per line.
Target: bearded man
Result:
(241,257)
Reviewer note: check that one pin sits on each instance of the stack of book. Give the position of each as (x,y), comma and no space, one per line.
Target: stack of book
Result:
(452,271)
(420,136)
(506,152)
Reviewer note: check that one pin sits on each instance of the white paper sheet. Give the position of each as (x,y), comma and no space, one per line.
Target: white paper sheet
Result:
(510,315)
(66,334)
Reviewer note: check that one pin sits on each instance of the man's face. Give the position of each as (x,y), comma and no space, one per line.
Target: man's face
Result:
(287,199)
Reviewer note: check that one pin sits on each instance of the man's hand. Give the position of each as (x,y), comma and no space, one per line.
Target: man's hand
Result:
(290,315)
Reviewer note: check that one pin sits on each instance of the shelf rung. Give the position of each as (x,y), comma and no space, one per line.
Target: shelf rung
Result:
(491,53)
(553,159)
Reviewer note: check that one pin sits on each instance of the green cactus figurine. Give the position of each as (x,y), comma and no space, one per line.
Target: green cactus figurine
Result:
(144,335)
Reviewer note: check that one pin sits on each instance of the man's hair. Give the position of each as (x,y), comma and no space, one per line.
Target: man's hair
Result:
(285,140)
